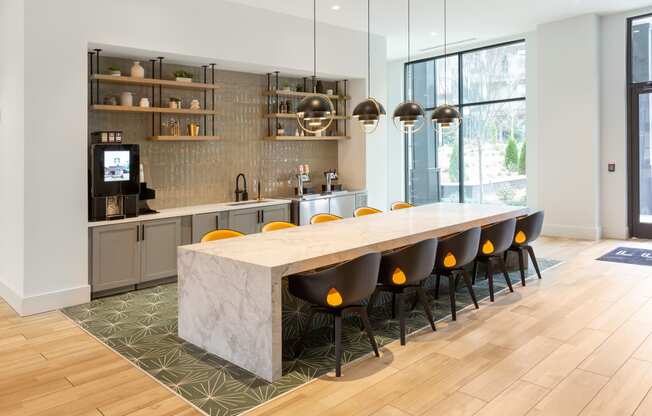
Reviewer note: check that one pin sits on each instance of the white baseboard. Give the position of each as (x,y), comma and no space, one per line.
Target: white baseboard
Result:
(615,233)
(568,231)
(45,302)
(11,297)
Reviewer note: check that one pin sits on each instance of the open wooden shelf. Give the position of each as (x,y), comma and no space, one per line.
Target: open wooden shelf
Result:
(184,138)
(285,93)
(148,82)
(135,109)
(305,138)
(294,116)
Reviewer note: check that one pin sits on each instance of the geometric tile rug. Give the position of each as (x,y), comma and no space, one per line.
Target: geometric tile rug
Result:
(142,327)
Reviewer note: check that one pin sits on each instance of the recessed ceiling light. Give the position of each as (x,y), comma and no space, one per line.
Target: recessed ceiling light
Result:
(336,7)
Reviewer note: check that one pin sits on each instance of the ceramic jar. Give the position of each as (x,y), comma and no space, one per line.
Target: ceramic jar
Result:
(127,99)
(194,105)
(137,70)
(144,102)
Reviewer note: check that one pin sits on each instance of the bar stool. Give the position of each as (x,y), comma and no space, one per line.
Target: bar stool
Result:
(403,269)
(362,211)
(495,240)
(220,235)
(319,218)
(401,205)
(453,254)
(337,289)
(528,229)
(277,225)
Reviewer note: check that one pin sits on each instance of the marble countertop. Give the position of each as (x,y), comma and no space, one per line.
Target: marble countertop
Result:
(302,248)
(192,210)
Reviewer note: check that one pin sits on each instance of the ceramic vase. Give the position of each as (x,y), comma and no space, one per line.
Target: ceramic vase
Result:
(137,70)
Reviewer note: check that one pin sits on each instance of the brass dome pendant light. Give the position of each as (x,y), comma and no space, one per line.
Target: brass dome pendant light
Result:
(369,112)
(409,116)
(315,113)
(446,118)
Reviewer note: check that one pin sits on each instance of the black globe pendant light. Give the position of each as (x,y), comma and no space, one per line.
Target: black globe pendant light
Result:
(409,116)
(315,113)
(369,112)
(446,118)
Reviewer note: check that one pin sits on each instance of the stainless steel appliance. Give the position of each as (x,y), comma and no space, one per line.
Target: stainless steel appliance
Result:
(342,203)
(329,177)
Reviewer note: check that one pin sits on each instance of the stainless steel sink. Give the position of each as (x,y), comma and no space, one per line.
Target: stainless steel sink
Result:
(252,202)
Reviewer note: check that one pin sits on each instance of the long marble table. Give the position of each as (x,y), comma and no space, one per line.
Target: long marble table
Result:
(230,290)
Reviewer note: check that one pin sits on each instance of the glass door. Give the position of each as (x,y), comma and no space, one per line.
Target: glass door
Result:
(641,186)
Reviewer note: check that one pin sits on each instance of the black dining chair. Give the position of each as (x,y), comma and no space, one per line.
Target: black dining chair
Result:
(335,290)
(453,254)
(528,229)
(405,269)
(495,240)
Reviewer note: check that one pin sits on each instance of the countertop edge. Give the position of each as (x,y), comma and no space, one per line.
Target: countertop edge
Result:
(189,211)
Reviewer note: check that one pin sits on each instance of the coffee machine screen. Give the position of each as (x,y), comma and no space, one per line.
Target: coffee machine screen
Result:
(116,165)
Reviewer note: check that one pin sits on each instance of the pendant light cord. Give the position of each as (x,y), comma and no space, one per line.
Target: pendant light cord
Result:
(409,47)
(445,53)
(314,45)
(369,47)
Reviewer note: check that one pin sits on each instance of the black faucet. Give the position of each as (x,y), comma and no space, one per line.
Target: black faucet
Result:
(241,195)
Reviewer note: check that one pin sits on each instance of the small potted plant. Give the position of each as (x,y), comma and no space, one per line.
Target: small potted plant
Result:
(114,71)
(174,102)
(299,87)
(183,76)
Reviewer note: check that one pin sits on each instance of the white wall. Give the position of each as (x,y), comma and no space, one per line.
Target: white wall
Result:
(613,129)
(57,37)
(11,149)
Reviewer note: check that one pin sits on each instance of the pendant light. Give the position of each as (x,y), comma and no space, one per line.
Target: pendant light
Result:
(369,112)
(315,112)
(446,118)
(409,116)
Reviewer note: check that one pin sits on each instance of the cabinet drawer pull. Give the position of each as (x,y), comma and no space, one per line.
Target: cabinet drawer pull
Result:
(217,222)
(142,235)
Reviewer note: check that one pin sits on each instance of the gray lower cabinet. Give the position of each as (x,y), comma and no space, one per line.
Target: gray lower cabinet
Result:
(360,200)
(251,220)
(246,221)
(205,223)
(159,242)
(130,254)
(115,256)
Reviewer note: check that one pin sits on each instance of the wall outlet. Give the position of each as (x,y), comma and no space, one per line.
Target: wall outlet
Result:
(611,166)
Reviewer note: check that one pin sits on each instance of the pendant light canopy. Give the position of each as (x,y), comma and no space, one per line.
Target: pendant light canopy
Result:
(446,118)
(409,116)
(315,113)
(369,112)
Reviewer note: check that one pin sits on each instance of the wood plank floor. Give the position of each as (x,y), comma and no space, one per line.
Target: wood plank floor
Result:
(579,342)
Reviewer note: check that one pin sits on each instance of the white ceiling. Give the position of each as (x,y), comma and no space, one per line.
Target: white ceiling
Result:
(468,19)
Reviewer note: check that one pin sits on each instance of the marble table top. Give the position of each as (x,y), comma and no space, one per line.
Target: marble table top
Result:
(303,248)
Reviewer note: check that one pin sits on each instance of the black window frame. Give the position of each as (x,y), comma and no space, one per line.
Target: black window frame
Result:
(460,106)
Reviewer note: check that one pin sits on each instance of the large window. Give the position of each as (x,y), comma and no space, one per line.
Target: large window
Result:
(485,160)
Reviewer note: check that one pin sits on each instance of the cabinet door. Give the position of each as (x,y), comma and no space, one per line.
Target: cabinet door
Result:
(160,240)
(245,220)
(115,256)
(343,206)
(274,213)
(205,223)
(307,209)
(360,200)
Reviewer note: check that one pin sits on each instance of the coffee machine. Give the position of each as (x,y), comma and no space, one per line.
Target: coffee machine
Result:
(114,171)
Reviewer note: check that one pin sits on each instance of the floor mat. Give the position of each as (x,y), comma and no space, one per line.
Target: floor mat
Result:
(142,327)
(628,255)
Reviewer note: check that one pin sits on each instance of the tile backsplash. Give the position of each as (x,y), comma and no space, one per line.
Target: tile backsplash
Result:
(187,173)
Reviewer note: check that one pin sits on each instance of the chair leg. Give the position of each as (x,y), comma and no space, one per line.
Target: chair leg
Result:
(521,266)
(401,315)
(367,328)
(437,282)
(299,344)
(507,279)
(469,286)
(475,270)
(490,280)
(530,250)
(421,294)
(372,300)
(393,305)
(338,345)
(451,295)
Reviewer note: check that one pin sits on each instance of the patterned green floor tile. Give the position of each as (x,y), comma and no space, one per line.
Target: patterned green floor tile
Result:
(142,327)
